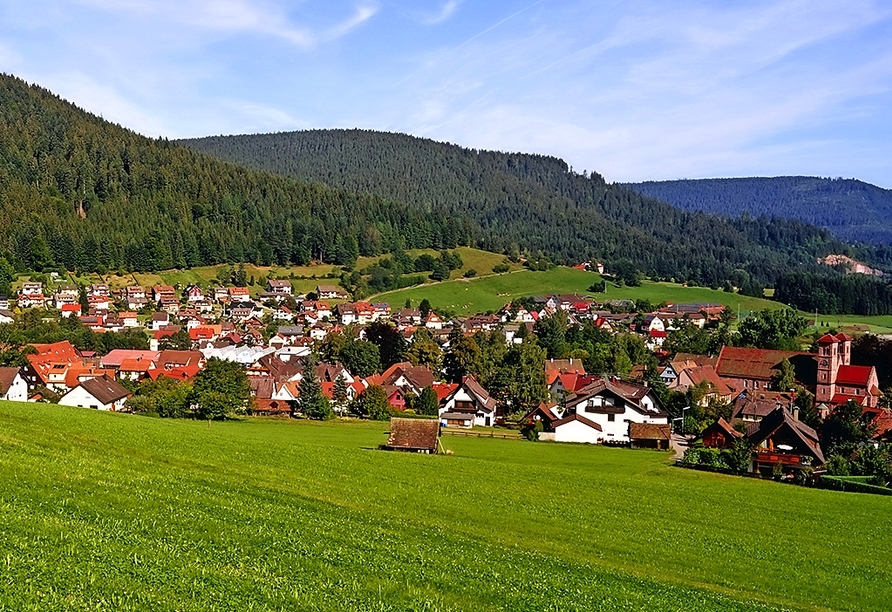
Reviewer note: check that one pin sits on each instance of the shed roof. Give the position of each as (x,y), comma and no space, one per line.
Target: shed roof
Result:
(413,434)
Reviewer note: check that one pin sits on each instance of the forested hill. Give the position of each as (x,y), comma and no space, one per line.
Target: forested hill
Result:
(853,210)
(531,202)
(78,192)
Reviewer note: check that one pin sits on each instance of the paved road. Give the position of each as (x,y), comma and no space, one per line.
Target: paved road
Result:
(679,445)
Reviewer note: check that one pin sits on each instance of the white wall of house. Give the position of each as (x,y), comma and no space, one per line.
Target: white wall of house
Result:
(18,390)
(616,426)
(81,398)
(481,417)
(577,431)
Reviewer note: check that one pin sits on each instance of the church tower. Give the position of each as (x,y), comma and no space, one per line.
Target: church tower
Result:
(830,352)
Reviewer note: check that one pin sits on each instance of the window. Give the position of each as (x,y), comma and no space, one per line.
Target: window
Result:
(611,417)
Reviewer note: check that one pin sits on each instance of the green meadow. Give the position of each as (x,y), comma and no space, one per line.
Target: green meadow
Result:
(467,296)
(117,512)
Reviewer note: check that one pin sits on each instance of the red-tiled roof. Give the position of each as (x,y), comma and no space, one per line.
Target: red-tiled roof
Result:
(853,375)
(740,362)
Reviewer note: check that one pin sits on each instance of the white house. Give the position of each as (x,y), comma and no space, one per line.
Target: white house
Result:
(611,405)
(13,387)
(577,428)
(469,399)
(101,393)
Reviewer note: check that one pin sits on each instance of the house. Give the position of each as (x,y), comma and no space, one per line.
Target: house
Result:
(70,310)
(49,365)
(13,386)
(330,292)
(410,378)
(690,375)
(720,435)
(469,398)
(193,293)
(163,291)
(101,393)
(239,294)
(753,406)
(433,321)
(32,289)
(555,367)
(650,435)
(282,287)
(159,320)
(612,405)
(6,316)
(577,428)
(782,439)
(413,435)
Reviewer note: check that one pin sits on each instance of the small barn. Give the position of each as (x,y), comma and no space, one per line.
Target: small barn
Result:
(650,435)
(413,436)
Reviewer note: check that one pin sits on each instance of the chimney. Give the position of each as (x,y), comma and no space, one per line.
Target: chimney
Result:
(795,413)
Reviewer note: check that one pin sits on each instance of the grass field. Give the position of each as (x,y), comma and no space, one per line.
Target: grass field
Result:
(116,512)
(492,292)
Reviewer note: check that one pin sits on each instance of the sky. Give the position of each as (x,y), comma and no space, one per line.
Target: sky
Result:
(635,90)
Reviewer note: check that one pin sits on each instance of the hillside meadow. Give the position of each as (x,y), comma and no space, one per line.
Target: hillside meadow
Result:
(106,511)
(467,296)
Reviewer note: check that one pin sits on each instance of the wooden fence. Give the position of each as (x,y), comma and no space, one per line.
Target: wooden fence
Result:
(506,435)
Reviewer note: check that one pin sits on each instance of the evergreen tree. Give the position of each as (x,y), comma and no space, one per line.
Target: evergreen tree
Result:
(312,400)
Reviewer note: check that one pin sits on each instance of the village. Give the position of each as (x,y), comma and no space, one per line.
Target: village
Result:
(272,333)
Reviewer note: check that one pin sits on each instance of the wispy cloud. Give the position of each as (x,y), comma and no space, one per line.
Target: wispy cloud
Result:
(445,13)
(362,14)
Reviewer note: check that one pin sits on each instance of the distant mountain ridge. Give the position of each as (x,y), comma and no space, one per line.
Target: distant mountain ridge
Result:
(852,210)
(536,203)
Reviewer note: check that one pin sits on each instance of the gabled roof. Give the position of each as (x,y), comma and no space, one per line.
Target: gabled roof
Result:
(753,363)
(7,377)
(577,418)
(853,375)
(649,431)
(104,389)
(724,426)
(779,420)
(413,434)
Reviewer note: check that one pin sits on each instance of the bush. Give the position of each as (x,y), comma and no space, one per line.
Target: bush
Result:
(470,273)
(500,268)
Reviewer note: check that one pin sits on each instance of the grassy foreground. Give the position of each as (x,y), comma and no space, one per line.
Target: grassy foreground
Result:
(115,512)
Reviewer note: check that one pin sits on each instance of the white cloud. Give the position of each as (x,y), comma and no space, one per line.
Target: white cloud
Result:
(445,13)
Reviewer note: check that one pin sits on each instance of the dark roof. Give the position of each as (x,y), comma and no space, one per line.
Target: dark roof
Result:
(576,417)
(7,376)
(781,421)
(413,434)
(649,431)
(104,389)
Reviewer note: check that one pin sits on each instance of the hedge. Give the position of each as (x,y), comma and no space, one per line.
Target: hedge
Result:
(852,484)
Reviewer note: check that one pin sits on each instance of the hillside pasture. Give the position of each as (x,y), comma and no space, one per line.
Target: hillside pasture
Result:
(465,297)
(106,511)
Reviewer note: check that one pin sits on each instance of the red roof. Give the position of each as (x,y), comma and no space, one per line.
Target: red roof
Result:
(71,308)
(655,333)
(177,373)
(740,362)
(853,375)
(841,398)
(443,390)
(833,339)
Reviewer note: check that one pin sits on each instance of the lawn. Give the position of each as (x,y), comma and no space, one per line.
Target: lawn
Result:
(117,512)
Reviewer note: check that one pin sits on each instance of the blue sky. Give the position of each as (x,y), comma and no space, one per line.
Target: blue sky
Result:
(634,90)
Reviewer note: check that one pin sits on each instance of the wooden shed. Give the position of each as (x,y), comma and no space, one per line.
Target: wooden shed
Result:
(413,435)
(649,435)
